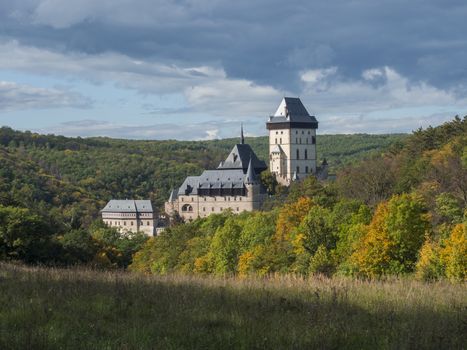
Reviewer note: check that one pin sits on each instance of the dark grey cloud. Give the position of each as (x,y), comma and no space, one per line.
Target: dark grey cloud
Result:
(268,42)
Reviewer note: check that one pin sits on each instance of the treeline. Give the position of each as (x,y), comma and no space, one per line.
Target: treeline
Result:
(400,212)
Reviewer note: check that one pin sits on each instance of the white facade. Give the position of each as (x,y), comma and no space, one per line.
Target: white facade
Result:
(292,142)
(130,216)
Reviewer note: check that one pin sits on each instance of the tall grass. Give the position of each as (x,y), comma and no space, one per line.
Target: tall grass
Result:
(84,309)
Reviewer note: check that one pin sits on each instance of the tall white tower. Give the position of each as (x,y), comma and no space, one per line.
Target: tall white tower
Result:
(292,141)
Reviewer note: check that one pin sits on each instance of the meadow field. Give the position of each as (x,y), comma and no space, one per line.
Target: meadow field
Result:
(47,308)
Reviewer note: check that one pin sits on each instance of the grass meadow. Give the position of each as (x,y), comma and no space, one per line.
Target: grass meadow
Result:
(47,308)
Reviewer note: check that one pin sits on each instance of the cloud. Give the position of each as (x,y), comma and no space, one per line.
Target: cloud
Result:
(267,42)
(191,131)
(15,96)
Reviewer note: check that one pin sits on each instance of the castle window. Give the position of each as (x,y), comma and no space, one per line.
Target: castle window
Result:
(132,223)
(124,223)
(308,132)
(240,198)
(204,209)
(187,208)
(296,132)
(276,141)
(306,140)
(277,132)
(282,132)
(149,224)
(298,154)
(192,199)
(238,209)
(280,140)
(220,209)
(313,140)
(306,154)
(306,169)
(298,169)
(303,132)
(300,140)
(212,209)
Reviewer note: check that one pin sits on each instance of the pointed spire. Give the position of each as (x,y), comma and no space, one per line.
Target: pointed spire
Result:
(250,176)
(295,176)
(242,138)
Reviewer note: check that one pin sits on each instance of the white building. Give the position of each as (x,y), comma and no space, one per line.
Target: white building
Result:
(130,216)
(292,141)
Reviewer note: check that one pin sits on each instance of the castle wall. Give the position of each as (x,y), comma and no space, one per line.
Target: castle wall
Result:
(129,222)
(291,140)
(203,206)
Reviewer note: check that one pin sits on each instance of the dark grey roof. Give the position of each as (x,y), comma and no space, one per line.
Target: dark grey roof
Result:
(173,195)
(128,206)
(250,176)
(292,110)
(239,158)
(214,179)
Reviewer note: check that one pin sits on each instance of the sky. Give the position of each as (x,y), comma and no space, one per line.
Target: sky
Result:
(197,69)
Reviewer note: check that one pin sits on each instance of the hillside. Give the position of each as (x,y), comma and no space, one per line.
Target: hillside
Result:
(111,168)
(84,309)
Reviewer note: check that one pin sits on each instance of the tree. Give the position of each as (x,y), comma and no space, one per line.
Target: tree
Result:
(394,237)
(454,254)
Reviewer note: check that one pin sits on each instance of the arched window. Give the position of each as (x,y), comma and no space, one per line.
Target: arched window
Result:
(187,208)
(306,154)
(298,154)
(313,140)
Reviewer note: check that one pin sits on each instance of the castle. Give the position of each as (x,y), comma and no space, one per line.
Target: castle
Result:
(235,184)
(130,216)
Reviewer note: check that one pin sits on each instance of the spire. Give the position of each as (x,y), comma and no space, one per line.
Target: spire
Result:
(295,176)
(242,138)
(250,176)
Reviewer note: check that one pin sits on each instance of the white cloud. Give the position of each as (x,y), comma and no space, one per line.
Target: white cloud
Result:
(15,96)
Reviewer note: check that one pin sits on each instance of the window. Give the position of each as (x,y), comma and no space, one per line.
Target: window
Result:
(308,132)
(313,140)
(306,154)
(282,132)
(149,224)
(296,132)
(303,132)
(212,209)
(131,223)
(124,223)
(298,154)
(238,209)
(240,198)
(204,208)
(300,140)
(306,169)
(276,141)
(280,140)
(298,169)
(192,199)
(187,207)
(277,132)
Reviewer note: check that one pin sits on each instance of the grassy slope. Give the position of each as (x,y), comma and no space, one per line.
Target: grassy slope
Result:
(73,309)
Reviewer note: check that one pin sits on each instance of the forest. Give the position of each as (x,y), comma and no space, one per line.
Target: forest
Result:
(398,206)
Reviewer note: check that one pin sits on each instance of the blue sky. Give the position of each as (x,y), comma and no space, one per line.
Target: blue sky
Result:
(196,69)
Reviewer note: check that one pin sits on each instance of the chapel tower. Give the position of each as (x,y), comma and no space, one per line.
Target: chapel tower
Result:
(292,141)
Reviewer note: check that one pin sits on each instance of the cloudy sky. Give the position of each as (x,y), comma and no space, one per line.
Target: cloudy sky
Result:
(196,69)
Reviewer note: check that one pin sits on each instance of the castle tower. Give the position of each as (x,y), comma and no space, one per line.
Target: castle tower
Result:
(292,141)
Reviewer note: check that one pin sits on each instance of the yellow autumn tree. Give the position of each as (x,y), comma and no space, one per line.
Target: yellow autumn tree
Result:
(394,237)
(429,266)
(454,254)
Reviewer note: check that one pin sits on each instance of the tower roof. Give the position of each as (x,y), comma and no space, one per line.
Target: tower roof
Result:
(291,113)
(240,157)
(250,176)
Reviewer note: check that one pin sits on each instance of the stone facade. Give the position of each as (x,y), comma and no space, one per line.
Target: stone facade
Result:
(292,142)
(234,186)
(130,216)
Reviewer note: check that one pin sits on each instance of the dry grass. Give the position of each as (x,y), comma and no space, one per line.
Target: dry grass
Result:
(84,309)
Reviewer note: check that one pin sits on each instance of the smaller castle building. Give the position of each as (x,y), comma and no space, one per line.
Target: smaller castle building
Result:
(234,185)
(130,216)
